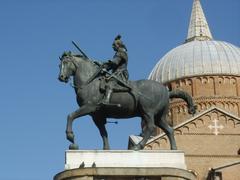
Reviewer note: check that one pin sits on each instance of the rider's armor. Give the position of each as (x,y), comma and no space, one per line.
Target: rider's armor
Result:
(118,65)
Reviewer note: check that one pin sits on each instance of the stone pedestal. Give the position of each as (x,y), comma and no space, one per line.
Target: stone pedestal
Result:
(124,165)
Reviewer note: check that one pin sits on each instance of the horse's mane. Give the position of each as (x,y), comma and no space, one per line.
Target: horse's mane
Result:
(80,56)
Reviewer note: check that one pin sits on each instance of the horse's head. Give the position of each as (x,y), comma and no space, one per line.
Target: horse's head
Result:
(67,67)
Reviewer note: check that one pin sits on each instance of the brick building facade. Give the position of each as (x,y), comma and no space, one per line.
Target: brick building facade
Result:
(209,71)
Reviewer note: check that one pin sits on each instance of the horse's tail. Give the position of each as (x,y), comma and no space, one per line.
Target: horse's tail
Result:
(186,97)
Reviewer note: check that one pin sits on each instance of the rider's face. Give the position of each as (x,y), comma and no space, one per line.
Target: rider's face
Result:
(115,47)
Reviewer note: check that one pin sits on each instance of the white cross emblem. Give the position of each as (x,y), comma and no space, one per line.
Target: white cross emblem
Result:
(215,127)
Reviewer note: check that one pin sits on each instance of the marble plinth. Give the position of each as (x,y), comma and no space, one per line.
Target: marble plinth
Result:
(124,158)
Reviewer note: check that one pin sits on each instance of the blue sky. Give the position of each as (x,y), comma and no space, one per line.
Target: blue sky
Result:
(34,104)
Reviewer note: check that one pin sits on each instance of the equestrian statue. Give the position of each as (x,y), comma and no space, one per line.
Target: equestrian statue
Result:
(104,91)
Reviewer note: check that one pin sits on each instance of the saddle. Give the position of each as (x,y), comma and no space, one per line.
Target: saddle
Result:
(112,83)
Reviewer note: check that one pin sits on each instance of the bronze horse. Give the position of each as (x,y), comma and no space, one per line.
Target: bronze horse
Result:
(148,99)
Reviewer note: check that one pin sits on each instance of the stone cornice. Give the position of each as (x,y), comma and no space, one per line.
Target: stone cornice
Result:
(212,156)
(202,76)
(235,99)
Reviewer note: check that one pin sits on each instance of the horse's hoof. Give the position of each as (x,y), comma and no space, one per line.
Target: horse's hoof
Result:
(73,147)
(70,137)
(106,148)
(136,147)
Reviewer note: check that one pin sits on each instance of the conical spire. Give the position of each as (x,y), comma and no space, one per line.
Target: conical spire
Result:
(198,26)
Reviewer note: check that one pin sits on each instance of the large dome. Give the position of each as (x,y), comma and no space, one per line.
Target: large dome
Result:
(197,58)
(199,55)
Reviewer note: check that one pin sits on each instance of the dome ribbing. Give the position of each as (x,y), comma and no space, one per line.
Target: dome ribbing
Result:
(198,58)
(199,55)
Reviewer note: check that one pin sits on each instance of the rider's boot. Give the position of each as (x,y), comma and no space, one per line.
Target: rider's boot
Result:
(107,98)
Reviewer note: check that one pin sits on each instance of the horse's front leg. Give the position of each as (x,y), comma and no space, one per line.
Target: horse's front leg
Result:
(84,110)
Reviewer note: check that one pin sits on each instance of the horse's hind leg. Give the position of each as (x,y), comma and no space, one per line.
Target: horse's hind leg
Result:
(100,123)
(149,121)
(162,123)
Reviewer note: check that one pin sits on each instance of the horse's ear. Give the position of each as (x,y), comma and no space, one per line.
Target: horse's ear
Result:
(60,58)
(64,54)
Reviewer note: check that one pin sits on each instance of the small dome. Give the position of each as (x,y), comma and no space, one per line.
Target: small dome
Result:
(198,58)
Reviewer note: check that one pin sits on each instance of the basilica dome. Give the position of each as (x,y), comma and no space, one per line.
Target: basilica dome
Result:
(196,58)
(209,71)
(199,55)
